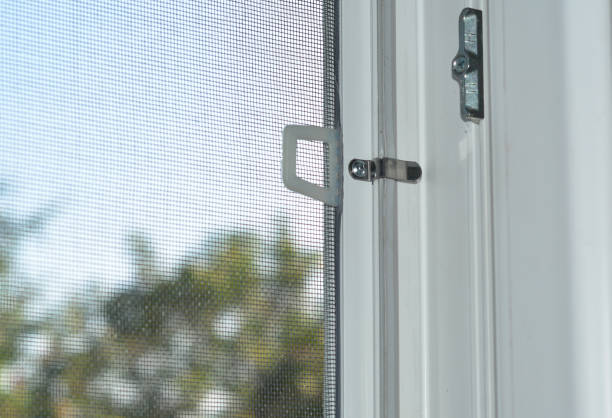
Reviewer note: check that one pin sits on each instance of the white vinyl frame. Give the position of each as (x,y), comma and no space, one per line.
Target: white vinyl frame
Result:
(536,341)
(369,313)
(428,342)
(552,159)
(375,380)
(358,378)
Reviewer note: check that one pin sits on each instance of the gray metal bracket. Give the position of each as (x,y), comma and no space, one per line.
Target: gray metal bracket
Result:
(332,193)
(385,168)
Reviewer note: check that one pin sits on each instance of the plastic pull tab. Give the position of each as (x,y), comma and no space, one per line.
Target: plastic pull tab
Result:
(332,194)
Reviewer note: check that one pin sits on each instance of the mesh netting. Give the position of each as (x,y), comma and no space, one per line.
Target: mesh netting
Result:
(151,261)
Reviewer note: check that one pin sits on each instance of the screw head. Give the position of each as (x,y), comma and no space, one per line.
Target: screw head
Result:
(359,169)
(460,64)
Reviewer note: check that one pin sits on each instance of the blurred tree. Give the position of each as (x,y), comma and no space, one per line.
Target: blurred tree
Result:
(238,313)
(14,396)
(230,331)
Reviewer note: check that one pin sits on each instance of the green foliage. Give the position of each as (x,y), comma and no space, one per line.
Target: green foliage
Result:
(11,329)
(293,265)
(229,319)
(223,278)
(14,404)
(13,325)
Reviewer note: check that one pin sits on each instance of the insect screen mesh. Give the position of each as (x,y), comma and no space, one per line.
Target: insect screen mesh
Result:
(151,261)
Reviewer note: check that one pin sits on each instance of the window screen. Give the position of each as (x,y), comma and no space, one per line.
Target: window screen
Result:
(151,261)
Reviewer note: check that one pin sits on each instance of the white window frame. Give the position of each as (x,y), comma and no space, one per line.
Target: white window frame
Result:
(358,378)
(369,347)
(543,348)
(370,265)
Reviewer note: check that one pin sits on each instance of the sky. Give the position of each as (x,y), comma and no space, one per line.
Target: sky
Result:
(157,117)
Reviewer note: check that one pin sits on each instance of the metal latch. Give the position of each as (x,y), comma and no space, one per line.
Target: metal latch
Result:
(467,65)
(385,168)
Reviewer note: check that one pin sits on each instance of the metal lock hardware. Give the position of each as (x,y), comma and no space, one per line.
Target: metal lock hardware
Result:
(385,168)
(467,66)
